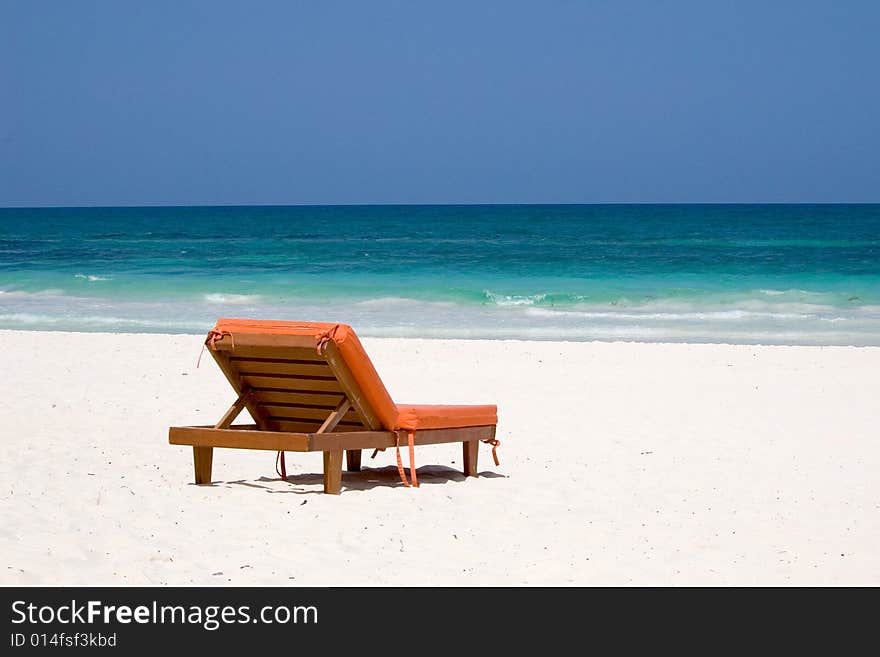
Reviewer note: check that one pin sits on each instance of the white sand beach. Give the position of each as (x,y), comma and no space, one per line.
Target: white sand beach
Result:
(621,463)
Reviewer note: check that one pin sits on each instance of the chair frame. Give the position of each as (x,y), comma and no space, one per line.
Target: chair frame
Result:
(265,434)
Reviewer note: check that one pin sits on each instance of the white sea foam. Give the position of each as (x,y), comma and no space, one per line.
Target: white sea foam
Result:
(236,299)
(91,278)
(513,299)
(623,332)
(21,294)
(760,319)
(695,315)
(386,302)
(104,321)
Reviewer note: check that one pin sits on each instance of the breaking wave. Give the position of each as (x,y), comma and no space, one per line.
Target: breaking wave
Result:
(91,278)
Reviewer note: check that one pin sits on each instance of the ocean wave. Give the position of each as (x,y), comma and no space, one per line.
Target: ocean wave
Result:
(92,278)
(792,300)
(773,243)
(464,332)
(21,294)
(710,315)
(385,302)
(799,293)
(745,316)
(543,298)
(105,321)
(512,299)
(235,299)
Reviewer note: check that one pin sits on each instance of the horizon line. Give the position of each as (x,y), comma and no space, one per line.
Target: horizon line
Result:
(326,205)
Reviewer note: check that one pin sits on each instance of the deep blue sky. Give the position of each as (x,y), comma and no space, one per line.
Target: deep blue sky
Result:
(124,103)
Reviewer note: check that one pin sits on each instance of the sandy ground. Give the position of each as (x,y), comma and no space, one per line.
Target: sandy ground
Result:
(620,464)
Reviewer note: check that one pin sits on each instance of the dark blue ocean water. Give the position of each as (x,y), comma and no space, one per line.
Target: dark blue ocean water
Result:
(790,274)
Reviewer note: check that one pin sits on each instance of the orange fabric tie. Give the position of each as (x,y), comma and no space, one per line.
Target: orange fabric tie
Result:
(411,437)
(495,444)
(324,338)
(400,469)
(212,338)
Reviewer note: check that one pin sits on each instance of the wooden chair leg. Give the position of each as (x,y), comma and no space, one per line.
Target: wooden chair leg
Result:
(203,458)
(333,471)
(353,460)
(470,452)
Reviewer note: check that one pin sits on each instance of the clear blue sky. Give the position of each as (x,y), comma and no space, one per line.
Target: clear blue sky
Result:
(141,103)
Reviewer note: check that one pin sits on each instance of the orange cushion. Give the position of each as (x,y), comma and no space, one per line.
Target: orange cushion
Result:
(392,416)
(413,417)
(270,326)
(350,348)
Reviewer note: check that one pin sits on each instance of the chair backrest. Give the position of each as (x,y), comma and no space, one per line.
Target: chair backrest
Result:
(298,372)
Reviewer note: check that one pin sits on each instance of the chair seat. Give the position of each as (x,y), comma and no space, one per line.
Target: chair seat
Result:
(421,416)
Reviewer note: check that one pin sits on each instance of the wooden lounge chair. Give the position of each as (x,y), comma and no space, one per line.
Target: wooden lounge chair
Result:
(310,387)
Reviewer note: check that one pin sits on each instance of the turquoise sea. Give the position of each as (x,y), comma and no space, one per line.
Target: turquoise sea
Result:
(771,274)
